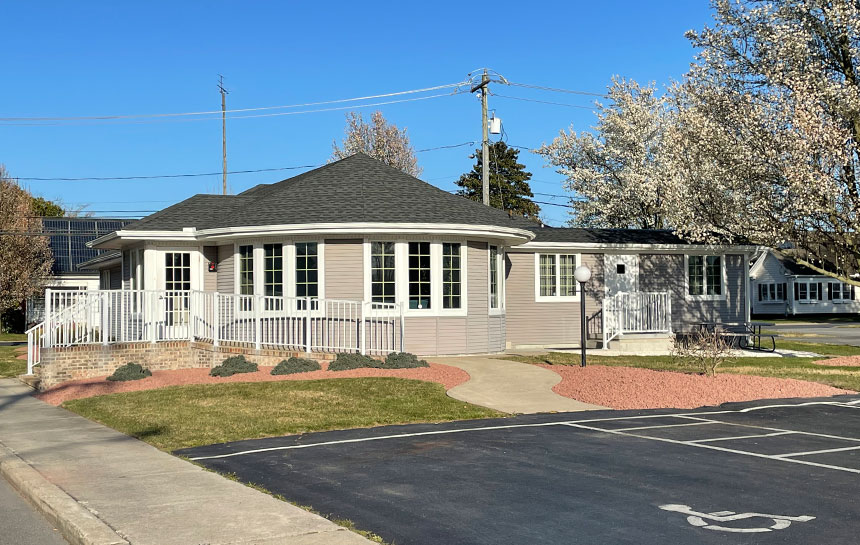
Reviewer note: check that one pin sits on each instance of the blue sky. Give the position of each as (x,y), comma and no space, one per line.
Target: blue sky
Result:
(104,58)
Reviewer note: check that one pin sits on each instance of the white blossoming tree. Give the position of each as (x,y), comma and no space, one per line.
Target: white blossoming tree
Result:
(615,173)
(379,139)
(765,147)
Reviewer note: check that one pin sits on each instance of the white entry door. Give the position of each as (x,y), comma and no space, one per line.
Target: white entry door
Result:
(622,273)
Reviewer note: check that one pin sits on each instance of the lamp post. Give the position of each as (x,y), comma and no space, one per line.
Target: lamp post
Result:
(582,274)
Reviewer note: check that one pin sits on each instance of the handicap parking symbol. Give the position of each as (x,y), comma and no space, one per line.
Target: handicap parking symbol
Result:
(753,522)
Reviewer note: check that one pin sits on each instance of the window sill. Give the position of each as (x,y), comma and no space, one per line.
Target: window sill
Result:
(705,297)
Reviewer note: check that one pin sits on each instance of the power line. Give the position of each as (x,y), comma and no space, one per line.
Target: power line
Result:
(237,110)
(153,177)
(557,89)
(545,102)
(146,121)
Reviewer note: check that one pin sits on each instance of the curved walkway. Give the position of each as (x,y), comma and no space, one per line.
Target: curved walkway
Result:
(510,386)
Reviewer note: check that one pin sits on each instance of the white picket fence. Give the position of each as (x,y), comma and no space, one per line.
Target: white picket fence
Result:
(636,312)
(254,321)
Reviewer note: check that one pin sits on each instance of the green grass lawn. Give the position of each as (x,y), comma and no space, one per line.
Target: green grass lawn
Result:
(13,337)
(9,365)
(186,416)
(796,368)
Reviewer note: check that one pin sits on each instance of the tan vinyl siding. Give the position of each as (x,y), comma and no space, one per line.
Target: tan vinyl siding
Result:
(344,269)
(225,281)
(475,335)
(210,280)
(546,323)
(663,272)
(421,336)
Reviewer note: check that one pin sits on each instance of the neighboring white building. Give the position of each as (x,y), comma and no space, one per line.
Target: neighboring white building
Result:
(68,238)
(779,285)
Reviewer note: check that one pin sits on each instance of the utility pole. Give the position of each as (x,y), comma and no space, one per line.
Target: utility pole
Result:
(485,142)
(223,131)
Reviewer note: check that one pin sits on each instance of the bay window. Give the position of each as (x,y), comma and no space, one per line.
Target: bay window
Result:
(450,275)
(419,275)
(382,277)
(307,272)
(246,269)
(494,277)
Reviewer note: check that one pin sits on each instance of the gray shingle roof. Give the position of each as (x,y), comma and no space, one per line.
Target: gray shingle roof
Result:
(360,189)
(356,189)
(606,236)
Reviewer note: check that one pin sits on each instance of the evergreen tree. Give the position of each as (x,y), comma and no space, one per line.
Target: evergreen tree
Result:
(509,182)
(45,208)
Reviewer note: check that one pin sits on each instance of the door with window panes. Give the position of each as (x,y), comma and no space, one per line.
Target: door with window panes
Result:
(177,294)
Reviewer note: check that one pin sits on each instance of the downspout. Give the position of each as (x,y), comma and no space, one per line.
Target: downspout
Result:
(747,294)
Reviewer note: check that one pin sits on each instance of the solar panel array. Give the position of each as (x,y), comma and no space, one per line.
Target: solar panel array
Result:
(69,236)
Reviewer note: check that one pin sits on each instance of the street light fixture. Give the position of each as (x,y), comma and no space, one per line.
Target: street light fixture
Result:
(582,274)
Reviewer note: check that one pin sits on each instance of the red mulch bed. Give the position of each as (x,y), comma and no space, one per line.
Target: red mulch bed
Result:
(633,388)
(843,361)
(76,389)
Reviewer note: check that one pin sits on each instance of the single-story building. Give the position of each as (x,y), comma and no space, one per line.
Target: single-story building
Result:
(781,286)
(358,256)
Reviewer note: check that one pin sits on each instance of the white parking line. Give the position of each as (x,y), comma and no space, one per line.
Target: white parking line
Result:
(666,426)
(712,447)
(740,437)
(691,416)
(811,452)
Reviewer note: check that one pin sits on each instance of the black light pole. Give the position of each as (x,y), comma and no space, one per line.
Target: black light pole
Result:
(582,274)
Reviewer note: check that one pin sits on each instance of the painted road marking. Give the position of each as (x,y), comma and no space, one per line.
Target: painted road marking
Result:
(695,518)
(713,447)
(811,452)
(578,423)
(667,426)
(774,434)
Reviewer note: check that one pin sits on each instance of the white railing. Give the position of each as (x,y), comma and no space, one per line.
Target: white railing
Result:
(78,317)
(34,346)
(636,312)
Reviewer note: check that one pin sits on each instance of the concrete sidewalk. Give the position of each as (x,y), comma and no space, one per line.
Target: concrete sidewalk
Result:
(101,486)
(510,386)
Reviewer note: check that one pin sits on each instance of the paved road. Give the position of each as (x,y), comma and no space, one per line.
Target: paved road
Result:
(619,477)
(839,333)
(20,524)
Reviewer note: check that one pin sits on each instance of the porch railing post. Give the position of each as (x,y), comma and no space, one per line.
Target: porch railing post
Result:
(193,307)
(362,332)
(49,330)
(103,310)
(216,315)
(308,325)
(258,326)
(153,311)
(402,327)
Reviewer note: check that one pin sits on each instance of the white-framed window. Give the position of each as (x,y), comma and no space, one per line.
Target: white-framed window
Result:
(427,276)
(246,269)
(420,283)
(770,292)
(808,291)
(451,271)
(705,276)
(554,277)
(177,271)
(307,272)
(839,292)
(383,279)
(494,284)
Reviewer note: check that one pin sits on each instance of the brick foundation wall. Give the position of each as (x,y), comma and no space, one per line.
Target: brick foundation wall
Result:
(59,365)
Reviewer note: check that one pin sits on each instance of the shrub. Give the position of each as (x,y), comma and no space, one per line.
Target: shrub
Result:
(296,365)
(347,361)
(704,350)
(130,371)
(403,360)
(233,365)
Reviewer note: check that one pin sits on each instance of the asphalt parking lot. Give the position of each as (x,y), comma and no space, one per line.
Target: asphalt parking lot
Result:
(782,472)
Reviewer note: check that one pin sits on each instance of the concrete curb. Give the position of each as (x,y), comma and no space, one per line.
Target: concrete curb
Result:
(76,524)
